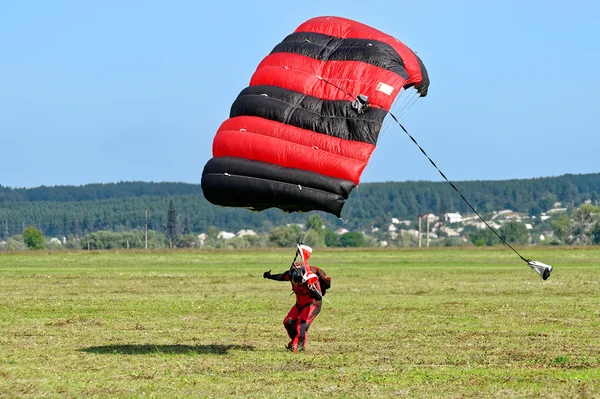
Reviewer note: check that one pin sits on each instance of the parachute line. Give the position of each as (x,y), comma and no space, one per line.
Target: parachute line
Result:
(456,189)
(337,87)
(405,103)
(541,268)
(351,202)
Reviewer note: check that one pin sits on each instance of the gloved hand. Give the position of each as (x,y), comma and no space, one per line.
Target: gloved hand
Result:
(267,274)
(315,294)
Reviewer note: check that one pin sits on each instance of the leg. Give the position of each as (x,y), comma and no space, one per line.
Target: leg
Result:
(305,319)
(290,324)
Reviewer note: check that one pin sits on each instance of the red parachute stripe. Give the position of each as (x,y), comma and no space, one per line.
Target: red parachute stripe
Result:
(300,73)
(348,29)
(285,153)
(356,150)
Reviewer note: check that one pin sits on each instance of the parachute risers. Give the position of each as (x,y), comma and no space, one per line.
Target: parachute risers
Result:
(361,104)
(542,269)
(300,135)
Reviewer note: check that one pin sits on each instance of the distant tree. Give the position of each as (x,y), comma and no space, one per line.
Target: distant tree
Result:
(514,233)
(405,239)
(332,239)
(186,226)
(34,238)
(171,224)
(285,236)
(212,233)
(563,228)
(121,240)
(547,202)
(188,241)
(314,239)
(535,211)
(73,242)
(315,222)
(353,239)
(595,234)
(453,242)
(14,243)
(584,218)
(469,229)
(483,237)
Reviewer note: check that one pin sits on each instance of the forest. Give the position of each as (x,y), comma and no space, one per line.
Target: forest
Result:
(124,206)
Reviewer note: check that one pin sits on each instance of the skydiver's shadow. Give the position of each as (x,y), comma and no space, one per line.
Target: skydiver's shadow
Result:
(150,349)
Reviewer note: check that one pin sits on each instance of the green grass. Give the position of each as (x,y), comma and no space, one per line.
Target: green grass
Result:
(446,323)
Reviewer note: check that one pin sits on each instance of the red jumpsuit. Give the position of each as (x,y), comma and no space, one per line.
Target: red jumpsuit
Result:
(307,307)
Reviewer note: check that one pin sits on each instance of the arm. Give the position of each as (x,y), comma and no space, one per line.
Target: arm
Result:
(314,289)
(315,294)
(285,276)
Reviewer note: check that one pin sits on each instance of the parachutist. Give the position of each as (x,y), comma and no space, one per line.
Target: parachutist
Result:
(309,283)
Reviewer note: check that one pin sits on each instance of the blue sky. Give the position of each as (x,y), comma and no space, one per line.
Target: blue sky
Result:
(117,91)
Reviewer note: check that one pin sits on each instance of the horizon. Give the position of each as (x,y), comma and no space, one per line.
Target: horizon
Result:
(371,182)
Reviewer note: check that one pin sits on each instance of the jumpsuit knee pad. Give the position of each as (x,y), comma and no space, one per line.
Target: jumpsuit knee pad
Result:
(289,323)
(290,327)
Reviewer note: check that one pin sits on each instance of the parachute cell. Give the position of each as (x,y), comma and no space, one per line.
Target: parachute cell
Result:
(299,137)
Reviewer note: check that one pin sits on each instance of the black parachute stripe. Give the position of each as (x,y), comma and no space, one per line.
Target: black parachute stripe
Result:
(334,118)
(330,48)
(259,194)
(422,87)
(267,171)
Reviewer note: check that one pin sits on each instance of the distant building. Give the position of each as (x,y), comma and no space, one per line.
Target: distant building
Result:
(431,217)
(226,235)
(341,231)
(413,233)
(453,217)
(556,210)
(483,225)
(513,216)
(243,233)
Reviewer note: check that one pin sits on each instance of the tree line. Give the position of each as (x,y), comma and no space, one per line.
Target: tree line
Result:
(125,206)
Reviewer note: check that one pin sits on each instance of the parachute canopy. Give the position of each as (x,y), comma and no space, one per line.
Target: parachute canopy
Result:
(300,135)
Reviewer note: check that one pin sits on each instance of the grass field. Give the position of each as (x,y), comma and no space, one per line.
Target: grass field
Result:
(445,323)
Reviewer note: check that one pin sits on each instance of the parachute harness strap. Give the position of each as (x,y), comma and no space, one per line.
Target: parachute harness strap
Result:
(456,189)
